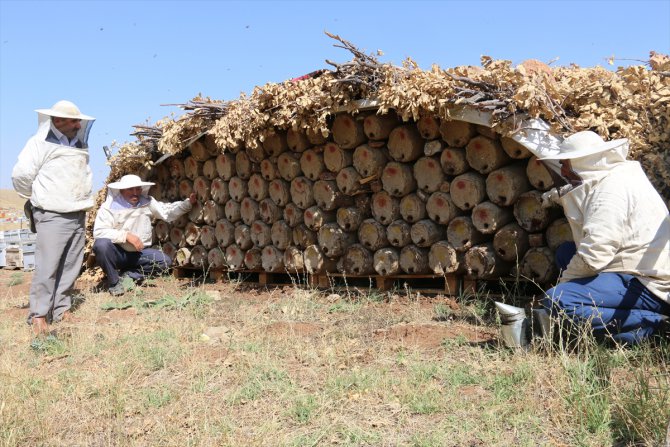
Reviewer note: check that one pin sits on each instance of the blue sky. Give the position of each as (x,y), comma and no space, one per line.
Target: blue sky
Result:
(121,60)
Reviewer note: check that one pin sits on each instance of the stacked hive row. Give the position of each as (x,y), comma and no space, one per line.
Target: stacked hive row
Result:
(377,196)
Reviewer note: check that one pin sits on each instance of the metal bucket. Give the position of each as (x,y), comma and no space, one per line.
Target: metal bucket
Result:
(514,325)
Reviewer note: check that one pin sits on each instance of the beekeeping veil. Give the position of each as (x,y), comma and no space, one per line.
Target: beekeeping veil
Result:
(64,109)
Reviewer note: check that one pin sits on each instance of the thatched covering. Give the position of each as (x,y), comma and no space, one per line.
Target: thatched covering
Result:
(631,102)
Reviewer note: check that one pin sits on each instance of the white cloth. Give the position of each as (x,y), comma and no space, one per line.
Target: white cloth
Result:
(115,223)
(53,176)
(619,222)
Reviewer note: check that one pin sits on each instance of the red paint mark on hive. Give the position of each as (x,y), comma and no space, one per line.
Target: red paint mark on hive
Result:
(448,154)
(308,214)
(347,122)
(277,186)
(289,211)
(439,203)
(391,171)
(381,202)
(257,227)
(499,177)
(332,149)
(431,164)
(478,146)
(365,154)
(345,176)
(460,184)
(483,214)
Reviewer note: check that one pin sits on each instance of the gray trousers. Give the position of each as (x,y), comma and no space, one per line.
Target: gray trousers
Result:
(58,259)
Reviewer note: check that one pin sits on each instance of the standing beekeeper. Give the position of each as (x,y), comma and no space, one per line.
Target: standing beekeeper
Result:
(616,274)
(52,171)
(122,232)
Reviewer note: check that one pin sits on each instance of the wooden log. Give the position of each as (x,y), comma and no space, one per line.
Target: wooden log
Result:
(414,260)
(296,140)
(216,258)
(505,185)
(405,143)
(192,234)
(292,214)
(467,190)
(293,259)
(457,133)
(185,188)
(253,259)
(398,179)
(213,149)
(212,212)
(272,259)
(428,174)
(335,158)
(379,127)
(425,233)
(302,192)
(386,261)
(192,168)
(441,208)
(269,212)
(349,181)
(538,175)
(514,149)
(181,221)
(275,142)
(234,257)
(224,231)
(358,260)
(226,166)
(156,191)
(511,243)
(315,217)
(349,218)
(219,191)
(249,210)
(317,262)
(303,237)
(369,160)
(209,169)
(202,188)
(347,131)
(486,131)
(487,217)
(453,161)
(372,234)
(462,234)
(412,208)
(238,188)
(280,192)
(243,166)
(558,231)
(328,197)
(317,136)
(256,154)
(161,173)
(182,257)
(312,164)
(530,214)
(481,262)
(538,265)
(443,258)
(162,230)
(260,233)
(281,234)
(169,249)
(433,147)
(243,237)
(333,240)
(176,167)
(398,233)
(485,155)
(269,170)
(385,208)
(198,150)
(429,127)
(257,187)
(196,214)
(199,257)
(232,211)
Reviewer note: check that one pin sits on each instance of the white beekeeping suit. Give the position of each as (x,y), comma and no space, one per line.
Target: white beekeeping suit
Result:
(55,176)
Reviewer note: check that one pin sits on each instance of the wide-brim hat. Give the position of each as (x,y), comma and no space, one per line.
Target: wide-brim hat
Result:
(65,109)
(129,181)
(582,144)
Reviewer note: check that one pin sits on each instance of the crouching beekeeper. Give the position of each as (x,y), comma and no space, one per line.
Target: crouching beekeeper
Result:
(122,232)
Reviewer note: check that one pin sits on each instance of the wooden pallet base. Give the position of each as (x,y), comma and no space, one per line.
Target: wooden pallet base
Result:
(426,284)
(260,277)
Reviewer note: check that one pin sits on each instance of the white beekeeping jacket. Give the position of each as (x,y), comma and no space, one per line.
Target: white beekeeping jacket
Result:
(53,176)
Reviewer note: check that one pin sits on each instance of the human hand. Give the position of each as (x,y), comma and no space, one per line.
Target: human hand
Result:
(135,241)
(549,198)
(193,198)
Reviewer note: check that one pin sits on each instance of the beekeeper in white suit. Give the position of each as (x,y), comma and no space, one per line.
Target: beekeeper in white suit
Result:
(53,172)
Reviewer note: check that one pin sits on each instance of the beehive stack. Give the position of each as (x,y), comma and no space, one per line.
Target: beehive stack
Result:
(378,196)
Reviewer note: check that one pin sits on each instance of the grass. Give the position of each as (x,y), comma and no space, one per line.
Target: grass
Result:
(296,367)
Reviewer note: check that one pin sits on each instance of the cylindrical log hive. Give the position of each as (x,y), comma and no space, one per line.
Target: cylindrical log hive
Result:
(467,190)
(511,243)
(398,233)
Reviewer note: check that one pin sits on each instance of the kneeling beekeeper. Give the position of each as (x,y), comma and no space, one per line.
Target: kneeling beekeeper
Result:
(122,232)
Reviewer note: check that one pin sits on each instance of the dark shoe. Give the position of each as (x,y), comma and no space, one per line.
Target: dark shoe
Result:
(117,289)
(40,326)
